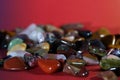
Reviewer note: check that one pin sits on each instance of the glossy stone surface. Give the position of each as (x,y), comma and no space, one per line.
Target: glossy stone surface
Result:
(90,59)
(85,33)
(41,52)
(116,70)
(21,46)
(14,63)
(58,43)
(34,33)
(45,45)
(110,41)
(97,43)
(14,42)
(100,33)
(76,62)
(97,51)
(67,52)
(49,66)
(76,71)
(106,64)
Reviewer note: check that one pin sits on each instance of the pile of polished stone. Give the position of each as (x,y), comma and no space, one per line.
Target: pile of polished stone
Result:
(69,48)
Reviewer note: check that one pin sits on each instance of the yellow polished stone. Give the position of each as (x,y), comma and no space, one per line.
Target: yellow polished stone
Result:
(45,45)
(102,32)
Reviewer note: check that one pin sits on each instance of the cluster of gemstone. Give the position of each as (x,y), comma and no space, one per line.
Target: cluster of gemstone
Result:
(69,49)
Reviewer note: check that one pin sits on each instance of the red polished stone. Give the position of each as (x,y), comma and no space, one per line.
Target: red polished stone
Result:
(14,63)
(49,66)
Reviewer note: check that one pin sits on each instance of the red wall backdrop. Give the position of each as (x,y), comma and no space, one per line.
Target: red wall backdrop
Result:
(21,13)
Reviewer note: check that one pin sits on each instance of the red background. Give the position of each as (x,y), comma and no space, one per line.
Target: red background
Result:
(21,13)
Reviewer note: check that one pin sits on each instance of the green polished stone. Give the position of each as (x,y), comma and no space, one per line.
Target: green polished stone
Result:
(109,63)
(97,51)
(14,42)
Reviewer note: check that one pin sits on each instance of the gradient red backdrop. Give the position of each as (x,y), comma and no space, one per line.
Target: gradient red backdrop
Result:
(15,13)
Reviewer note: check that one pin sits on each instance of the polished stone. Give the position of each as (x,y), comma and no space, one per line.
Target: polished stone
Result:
(100,33)
(75,71)
(45,45)
(21,46)
(97,51)
(49,66)
(106,64)
(14,63)
(14,42)
(90,59)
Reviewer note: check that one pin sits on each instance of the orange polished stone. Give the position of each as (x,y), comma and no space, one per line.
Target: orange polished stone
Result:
(49,66)
(14,63)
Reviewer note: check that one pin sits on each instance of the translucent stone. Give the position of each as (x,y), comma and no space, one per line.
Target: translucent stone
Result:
(14,63)
(14,42)
(37,51)
(76,71)
(90,59)
(41,52)
(106,64)
(45,45)
(49,66)
(109,40)
(100,33)
(34,33)
(21,46)
(97,51)
(76,62)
